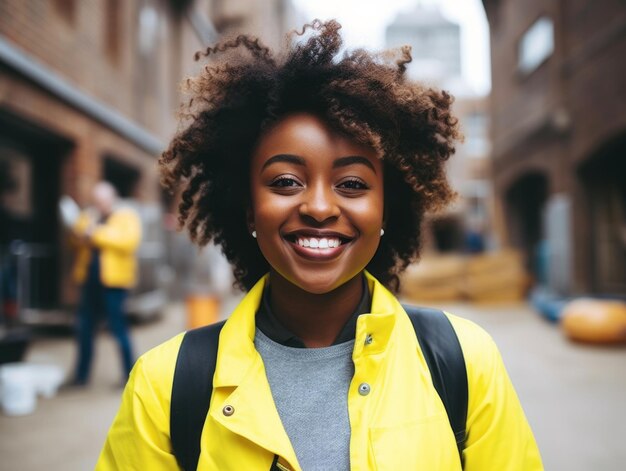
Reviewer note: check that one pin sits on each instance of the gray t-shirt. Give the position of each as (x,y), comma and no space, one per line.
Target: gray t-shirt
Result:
(310,390)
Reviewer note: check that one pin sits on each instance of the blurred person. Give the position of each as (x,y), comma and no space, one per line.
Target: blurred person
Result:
(107,236)
(313,171)
(474,238)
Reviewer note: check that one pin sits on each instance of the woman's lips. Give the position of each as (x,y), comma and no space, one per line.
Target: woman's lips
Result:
(317,248)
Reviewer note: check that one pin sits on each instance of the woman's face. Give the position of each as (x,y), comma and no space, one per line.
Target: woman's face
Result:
(317,203)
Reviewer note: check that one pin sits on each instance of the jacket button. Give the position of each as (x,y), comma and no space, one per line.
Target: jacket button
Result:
(364,389)
(228,410)
(368,339)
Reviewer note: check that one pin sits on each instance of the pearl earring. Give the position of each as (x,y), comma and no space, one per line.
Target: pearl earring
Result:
(254,234)
(382,232)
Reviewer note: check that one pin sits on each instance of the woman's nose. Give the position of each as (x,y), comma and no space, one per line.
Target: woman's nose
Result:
(320,204)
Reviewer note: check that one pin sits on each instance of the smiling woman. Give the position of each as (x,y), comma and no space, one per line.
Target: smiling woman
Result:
(362,96)
(317,208)
(322,202)
(313,172)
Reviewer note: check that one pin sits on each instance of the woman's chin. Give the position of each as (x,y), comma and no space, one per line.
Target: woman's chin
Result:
(320,284)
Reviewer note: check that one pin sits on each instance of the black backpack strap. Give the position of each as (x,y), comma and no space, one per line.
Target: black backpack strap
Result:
(444,357)
(191,392)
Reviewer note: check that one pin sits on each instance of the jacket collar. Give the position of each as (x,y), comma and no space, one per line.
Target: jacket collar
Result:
(237,354)
(268,323)
(240,379)
(378,325)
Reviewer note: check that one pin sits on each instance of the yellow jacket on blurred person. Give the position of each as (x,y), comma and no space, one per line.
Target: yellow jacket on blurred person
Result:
(400,424)
(116,241)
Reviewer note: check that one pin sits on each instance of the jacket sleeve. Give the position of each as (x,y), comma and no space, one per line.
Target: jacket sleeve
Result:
(121,232)
(79,228)
(139,438)
(499,437)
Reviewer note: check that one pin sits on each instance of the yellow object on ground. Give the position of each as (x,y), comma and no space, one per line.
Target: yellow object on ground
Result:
(496,276)
(489,277)
(595,321)
(434,278)
(202,310)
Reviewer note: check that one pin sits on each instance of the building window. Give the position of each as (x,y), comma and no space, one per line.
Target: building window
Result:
(148,28)
(16,182)
(536,45)
(476,130)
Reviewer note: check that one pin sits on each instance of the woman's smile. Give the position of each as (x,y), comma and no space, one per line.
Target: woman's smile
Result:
(318,245)
(317,203)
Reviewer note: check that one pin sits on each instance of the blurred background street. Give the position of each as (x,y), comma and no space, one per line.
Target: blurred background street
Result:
(533,249)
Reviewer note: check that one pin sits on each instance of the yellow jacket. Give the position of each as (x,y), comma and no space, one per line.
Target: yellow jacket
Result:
(401,424)
(117,240)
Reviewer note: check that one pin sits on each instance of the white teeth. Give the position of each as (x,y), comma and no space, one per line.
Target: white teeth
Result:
(323,243)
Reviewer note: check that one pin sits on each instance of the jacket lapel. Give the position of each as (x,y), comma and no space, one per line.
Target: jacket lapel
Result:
(242,400)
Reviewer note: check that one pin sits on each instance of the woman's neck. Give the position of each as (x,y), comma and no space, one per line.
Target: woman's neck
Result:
(316,319)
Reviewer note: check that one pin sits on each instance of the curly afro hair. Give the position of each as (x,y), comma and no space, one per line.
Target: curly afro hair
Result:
(364,95)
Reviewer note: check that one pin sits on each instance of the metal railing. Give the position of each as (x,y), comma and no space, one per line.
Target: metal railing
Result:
(28,277)
(30,285)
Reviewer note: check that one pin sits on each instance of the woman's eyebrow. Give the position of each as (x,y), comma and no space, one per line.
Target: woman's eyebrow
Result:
(289,158)
(352,159)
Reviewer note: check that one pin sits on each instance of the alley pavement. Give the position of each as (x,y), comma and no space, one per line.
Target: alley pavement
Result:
(573,394)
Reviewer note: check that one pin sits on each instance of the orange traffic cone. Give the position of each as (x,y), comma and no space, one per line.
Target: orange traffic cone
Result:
(202,309)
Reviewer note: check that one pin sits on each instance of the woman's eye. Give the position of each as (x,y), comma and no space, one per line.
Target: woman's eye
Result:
(353,184)
(284,182)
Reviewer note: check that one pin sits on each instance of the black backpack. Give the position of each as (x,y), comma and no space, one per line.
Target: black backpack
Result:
(195,366)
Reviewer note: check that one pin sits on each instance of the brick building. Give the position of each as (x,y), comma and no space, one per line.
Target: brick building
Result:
(89,90)
(559,138)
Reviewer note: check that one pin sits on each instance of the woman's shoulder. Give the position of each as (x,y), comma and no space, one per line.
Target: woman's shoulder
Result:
(479,349)
(154,370)
(163,356)
(468,332)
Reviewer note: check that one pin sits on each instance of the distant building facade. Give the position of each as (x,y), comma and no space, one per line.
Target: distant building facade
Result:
(88,91)
(435,41)
(559,138)
(436,50)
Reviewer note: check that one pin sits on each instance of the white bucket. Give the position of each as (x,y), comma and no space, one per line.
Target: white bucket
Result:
(46,378)
(18,395)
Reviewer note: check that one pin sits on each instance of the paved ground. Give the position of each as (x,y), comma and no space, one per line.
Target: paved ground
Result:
(573,396)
